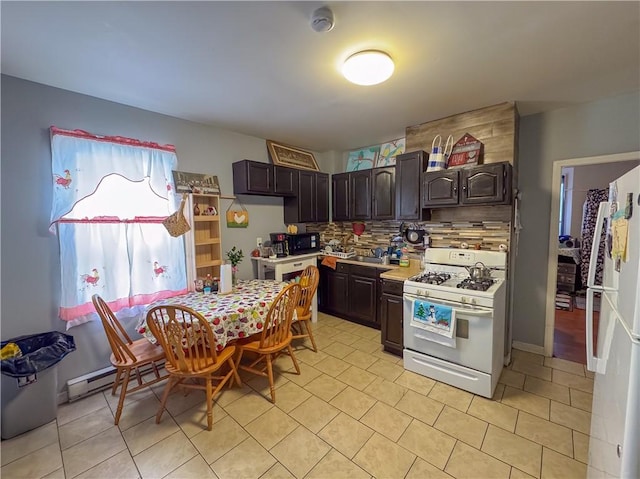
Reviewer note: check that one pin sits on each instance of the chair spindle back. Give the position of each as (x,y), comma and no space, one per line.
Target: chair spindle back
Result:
(185,336)
(309,283)
(278,324)
(118,338)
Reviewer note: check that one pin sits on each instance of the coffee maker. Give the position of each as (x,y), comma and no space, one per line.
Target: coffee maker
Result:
(279,244)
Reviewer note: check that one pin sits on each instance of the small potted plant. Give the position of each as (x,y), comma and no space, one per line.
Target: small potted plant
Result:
(235,257)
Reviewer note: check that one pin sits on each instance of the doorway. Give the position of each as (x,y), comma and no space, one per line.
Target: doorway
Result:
(565,314)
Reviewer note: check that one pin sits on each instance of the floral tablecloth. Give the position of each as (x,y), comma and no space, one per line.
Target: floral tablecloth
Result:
(238,314)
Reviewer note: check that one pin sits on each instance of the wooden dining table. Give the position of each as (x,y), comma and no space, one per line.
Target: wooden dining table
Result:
(234,315)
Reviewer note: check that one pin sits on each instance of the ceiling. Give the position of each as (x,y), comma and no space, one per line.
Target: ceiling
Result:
(259,69)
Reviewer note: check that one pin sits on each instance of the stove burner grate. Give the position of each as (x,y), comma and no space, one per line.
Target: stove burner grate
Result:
(433,278)
(469,283)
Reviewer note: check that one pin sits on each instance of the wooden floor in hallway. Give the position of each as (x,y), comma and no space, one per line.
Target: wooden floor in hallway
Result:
(569,338)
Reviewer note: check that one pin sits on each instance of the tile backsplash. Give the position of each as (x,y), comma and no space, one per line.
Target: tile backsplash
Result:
(488,234)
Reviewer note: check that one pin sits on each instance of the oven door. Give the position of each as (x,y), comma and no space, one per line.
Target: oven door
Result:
(475,334)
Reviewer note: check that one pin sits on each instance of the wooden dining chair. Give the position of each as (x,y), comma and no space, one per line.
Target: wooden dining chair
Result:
(190,347)
(309,283)
(275,337)
(127,356)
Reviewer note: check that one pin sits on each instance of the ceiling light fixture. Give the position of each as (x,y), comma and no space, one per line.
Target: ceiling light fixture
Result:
(368,67)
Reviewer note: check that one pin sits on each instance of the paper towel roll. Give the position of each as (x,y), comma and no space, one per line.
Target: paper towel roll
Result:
(226,279)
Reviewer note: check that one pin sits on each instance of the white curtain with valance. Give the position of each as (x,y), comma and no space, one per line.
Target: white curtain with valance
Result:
(117,247)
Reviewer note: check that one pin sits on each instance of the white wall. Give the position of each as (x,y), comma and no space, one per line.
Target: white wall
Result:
(30,268)
(30,263)
(598,128)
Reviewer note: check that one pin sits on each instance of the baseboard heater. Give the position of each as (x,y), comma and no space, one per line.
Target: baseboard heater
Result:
(97,381)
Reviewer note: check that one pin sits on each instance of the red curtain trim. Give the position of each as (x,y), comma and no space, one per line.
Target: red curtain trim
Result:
(69,314)
(111,139)
(115,219)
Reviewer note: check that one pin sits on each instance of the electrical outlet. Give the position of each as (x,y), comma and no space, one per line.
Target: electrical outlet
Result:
(258,241)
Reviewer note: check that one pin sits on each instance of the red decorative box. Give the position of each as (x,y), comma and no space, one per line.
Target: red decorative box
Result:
(466,151)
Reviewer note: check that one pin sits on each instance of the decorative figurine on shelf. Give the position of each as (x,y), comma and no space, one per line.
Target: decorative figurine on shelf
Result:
(196,209)
(208,284)
(235,257)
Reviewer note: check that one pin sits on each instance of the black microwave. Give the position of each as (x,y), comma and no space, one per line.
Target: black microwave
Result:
(303,243)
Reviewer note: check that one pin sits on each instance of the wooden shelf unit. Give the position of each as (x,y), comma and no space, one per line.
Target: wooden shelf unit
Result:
(203,242)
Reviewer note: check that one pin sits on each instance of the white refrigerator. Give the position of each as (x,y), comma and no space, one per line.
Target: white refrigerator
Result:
(614,446)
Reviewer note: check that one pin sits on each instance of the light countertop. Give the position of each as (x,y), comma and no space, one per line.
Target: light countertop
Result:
(400,273)
(393,272)
(286,259)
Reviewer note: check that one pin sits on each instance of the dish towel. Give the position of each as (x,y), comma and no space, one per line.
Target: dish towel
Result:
(330,261)
(438,322)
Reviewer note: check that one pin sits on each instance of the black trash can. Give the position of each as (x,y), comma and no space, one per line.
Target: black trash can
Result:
(29,382)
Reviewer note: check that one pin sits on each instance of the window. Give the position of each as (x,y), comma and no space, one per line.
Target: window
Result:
(110,197)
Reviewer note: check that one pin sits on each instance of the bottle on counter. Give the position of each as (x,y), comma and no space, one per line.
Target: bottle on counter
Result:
(404,259)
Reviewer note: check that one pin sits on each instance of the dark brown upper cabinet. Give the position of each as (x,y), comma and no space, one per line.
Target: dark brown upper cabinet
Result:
(486,184)
(479,185)
(305,192)
(257,178)
(285,181)
(311,201)
(383,201)
(440,188)
(360,191)
(340,197)
(364,195)
(252,178)
(409,168)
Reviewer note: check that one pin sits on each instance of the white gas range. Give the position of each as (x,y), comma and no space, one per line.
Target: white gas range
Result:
(454,327)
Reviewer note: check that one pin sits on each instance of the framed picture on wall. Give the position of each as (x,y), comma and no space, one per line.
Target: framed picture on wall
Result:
(389,151)
(363,159)
(196,183)
(284,155)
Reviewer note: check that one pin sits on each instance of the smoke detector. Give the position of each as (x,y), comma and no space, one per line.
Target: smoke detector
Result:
(322,20)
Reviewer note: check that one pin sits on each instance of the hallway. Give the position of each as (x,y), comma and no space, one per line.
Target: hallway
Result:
(569,338)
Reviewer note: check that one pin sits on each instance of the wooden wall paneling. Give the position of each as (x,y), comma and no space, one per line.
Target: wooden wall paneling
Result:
(494,126)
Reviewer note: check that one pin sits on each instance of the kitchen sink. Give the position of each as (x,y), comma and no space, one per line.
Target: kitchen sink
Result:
(369,259)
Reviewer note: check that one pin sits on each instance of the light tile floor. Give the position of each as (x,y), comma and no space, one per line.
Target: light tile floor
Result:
(354,412)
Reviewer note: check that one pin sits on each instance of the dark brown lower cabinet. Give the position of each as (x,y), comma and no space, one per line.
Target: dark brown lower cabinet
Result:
(350,292)
(363,299)
(390,314)
(332,289)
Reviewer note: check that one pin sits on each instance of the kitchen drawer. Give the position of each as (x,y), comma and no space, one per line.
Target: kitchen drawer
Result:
(366,271)
(567,268)
(566,287)
(566,278)
(392,287)
(342,267)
